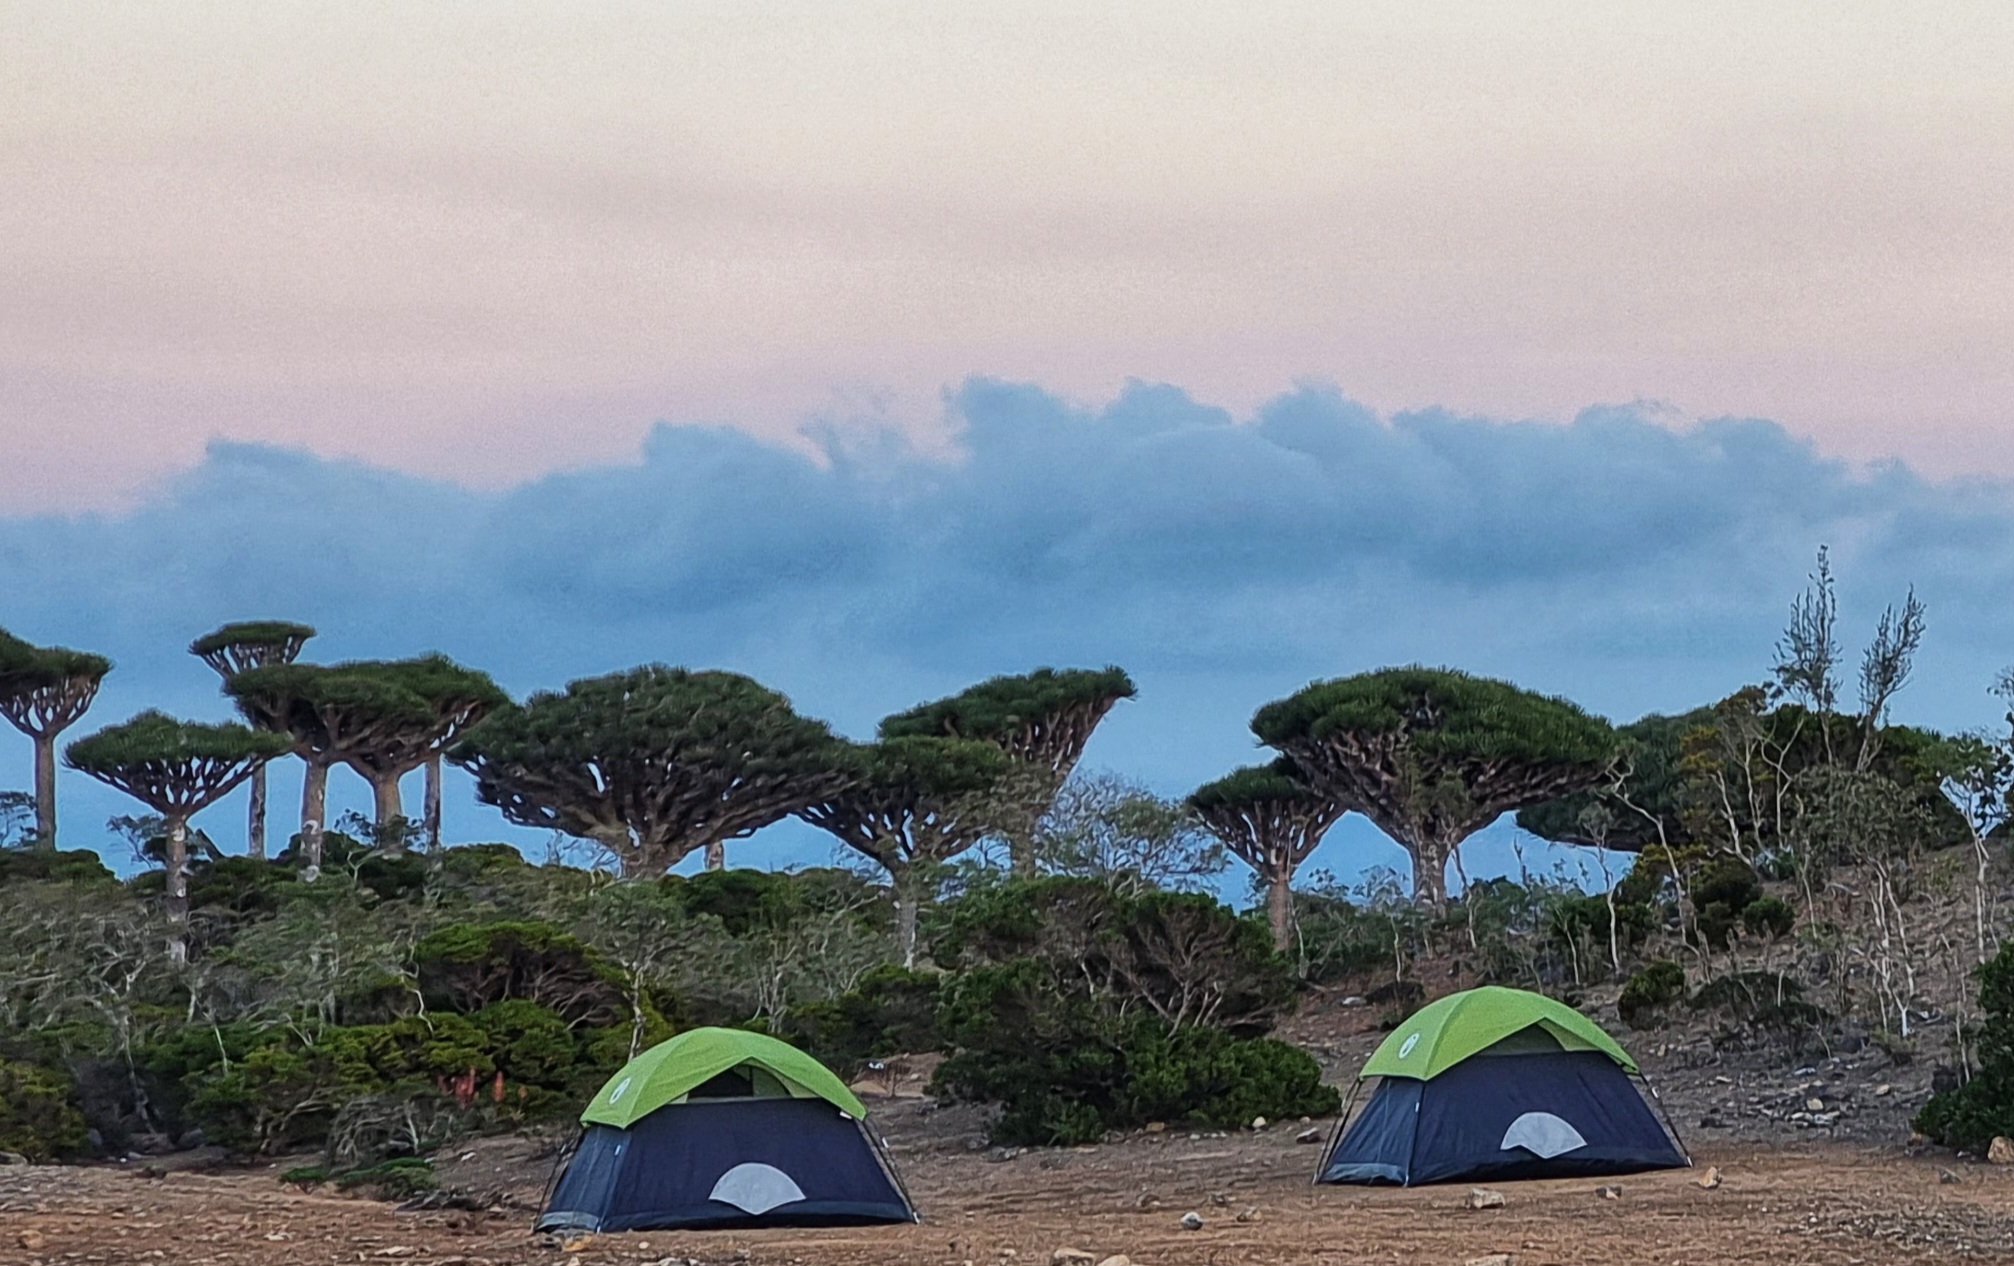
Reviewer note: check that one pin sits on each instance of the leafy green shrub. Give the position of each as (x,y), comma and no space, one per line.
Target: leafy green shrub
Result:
(1649,991)
(1974,1114)
(62,866)
(1082,1072)
(1722,892)
(1185,957)
(1583,921)
(1084,1010)
(467,966)
(892,1011)
(38,1118)
(398,1179)
(1769,917)
(1759,1000)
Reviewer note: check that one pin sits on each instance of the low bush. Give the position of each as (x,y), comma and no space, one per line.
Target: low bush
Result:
(1082,1010)
(1650,990)
(1973,1114)
(892,1011)
(38,1117)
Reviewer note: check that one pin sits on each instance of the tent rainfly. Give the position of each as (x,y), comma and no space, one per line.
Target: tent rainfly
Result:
(723,1128)
(1499,1084)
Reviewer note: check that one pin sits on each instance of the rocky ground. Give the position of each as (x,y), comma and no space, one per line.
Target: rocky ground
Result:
(1800,1199)
(1811,1146)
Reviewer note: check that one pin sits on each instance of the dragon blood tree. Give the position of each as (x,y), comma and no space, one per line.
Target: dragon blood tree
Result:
(921,802)
(1040,720)
(45,690)
(396,738)
(655,762)
(1432,756)
(1271,820)
(177,769)
(233,649)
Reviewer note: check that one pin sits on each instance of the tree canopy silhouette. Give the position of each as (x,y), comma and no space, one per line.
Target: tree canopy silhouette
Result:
(233,649)
(655,762)
(177,769)
(1041,720)
(1271,819)
(920,801)
(44,690)
(1433,755)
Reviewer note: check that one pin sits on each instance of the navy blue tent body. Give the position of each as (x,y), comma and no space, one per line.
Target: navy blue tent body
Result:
(1498,1084)
(736,1162)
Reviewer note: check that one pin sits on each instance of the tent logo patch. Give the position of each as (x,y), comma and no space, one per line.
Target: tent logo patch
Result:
(1543,1135)
(1406,1047)
(756,1188)
(621,1089)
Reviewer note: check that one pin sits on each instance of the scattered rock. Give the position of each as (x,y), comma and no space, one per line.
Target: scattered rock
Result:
(190,1140)
(1156,1127)
(1117,1259)
(1948,1178)
(32,1240)
(999,1154)
(1192,1221)
(1249,1215)
(151,1145)
(1220,1199)
(578,1244)
(1313,1134)
(1147,1200)
(1072,1257)
(1883,1090)
(1492,1259)
(2002,1151)
(1710,1179)
(1258,1123)
(1814,1105)
(1484,1198)
(12,1158)
(1711,1122)
(1610,1192)
(1353,1001)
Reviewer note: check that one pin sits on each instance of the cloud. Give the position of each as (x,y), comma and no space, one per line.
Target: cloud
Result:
(1629,562)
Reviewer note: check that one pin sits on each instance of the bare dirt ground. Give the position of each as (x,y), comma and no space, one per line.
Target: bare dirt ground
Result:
(1812,1148)
(1806,1202)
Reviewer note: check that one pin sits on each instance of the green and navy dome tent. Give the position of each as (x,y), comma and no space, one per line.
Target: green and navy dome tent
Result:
(1499,1084)
(724,1128)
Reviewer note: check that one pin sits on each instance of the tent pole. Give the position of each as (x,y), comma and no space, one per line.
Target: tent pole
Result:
(881,1157)
(559,1160)
(1336,1132)
(1669,1123)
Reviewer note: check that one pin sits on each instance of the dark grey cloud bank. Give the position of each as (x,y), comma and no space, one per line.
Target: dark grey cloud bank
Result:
(1625,562)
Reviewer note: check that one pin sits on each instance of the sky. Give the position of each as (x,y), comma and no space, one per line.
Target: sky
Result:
(875,348)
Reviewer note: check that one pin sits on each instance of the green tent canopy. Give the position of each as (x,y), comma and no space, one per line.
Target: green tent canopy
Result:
(669,1071)
(1450,1030)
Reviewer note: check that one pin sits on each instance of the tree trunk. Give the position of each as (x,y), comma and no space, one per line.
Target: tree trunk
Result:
(1021,855)
(716,855)
(314,803)
(45,792)
(902,882)
(431,813)
(1430,873)
(1280,905)
(389,810)
(178,890)
(255,825)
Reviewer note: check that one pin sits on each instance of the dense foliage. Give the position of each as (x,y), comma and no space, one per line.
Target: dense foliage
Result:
(1982,1109)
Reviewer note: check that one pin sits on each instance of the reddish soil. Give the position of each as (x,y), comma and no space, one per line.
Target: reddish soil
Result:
(1808,1202)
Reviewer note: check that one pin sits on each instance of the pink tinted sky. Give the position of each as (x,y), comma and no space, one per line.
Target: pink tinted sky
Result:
(482,239)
